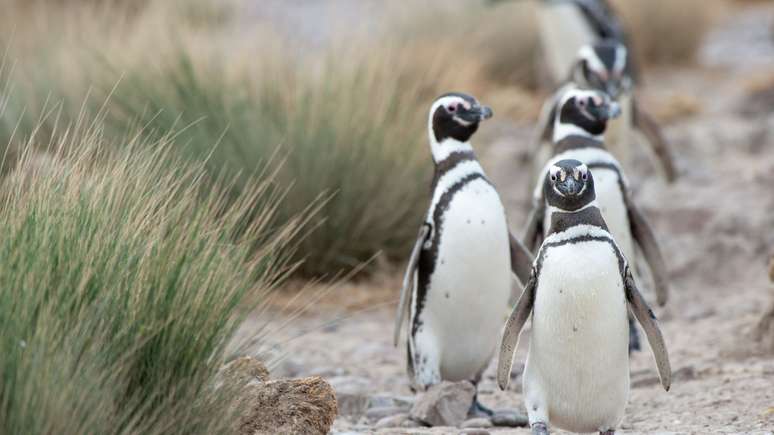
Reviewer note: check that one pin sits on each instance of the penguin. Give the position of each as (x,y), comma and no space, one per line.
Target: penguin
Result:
(577,372)
(578,132)
(458,279)
(607,66)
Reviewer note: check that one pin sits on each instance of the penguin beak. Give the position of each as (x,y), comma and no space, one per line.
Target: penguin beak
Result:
(606,111)
(476,114)
(570,186)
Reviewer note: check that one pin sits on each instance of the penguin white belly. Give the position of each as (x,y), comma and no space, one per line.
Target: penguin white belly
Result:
(613,208)
(577,371)
(469,289)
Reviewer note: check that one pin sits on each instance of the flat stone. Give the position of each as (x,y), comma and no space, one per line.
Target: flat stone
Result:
(444,404)
(383,411)
(392,421)
(479,422)
(509,419)
(474,432)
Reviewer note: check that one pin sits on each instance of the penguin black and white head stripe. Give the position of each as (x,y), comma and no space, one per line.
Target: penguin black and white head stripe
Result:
(583,113)
(604,66)
(569,186)
(453,119)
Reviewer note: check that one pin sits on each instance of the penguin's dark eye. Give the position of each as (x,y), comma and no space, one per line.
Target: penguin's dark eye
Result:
(582,102)
(453,108)
(585,176)
(553,177)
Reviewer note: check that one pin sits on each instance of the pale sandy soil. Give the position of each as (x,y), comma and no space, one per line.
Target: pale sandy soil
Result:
(716,229)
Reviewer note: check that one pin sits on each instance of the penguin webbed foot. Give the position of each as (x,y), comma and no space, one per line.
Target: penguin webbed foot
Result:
(607,432)
(539,428)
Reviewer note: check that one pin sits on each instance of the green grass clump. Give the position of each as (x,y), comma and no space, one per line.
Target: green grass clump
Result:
(353,132)
(122,279)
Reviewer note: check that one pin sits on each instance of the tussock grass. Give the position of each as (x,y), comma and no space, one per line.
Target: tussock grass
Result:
(122,279)
(668,32)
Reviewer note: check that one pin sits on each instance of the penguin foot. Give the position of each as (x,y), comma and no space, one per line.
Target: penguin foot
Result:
(607,432)
(477,409)
(539,428)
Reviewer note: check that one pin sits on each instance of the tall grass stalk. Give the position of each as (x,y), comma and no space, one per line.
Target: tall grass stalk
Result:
(123,276)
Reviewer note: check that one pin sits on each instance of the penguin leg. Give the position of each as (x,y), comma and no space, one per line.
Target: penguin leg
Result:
(634,336)
(426,359)
(477,409)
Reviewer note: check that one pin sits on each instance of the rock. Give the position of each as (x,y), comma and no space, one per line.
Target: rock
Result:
(444,404)
(411,423)
(509,419)
(771,269)
(240,372)
(351,394)
(305,405)
(385,400)
(474,432)
(392,421)
(480,422)
(383,411)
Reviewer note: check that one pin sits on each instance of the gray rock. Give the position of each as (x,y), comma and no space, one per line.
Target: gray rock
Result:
(386,400)
(474,432)
(383,411)
(509,419)
(392,421)
(410,423)
(351,394)
(444,404)
(480,422)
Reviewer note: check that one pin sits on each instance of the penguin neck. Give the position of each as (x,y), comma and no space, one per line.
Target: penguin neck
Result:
(562,220)
(447,148)
(572,142)
(563,131)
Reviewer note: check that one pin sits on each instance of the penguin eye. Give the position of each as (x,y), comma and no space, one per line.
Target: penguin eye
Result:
(452,108)
(553,177)
(585,176)
(582,102)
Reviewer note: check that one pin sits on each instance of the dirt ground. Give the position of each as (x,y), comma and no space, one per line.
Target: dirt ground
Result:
(715,226)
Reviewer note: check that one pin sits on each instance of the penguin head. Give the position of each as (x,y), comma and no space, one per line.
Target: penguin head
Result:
(603,66)
(583,112)
(454,118)
(569,185)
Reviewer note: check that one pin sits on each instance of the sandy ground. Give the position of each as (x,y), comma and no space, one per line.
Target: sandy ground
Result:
(716,230)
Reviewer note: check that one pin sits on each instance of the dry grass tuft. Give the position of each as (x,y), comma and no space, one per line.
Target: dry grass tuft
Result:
(667,31)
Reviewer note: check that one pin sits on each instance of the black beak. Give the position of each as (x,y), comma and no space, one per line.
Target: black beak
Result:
(475,114)
(570,186)
(606,111)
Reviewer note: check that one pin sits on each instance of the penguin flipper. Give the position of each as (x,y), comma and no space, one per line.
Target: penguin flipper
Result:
(647,125)
(643,235)
(533,233)
(521,259)
(647,320)
(408,280)
(513,327)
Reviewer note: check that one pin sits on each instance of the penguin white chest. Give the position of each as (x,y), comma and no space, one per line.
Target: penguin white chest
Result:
(470,286)
(613,208)
(577,371)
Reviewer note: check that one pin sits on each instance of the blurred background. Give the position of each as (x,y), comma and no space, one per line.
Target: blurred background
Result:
(281,145)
